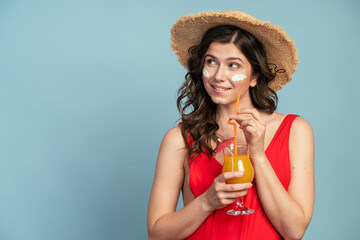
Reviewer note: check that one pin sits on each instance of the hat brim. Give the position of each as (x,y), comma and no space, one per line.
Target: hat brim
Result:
(279,48)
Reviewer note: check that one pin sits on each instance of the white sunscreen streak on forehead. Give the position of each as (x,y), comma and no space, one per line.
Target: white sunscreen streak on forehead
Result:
(238,77)
(205,72)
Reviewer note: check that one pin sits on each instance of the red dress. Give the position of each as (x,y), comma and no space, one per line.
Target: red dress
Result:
(219,225)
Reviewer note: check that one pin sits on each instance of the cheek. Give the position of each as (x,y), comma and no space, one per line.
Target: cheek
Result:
(238,77)
(206,73)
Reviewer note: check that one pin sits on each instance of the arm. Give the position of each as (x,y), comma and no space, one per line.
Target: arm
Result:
(163,221)
(289,211)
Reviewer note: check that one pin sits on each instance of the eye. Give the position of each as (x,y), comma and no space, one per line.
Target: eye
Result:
(234,65)
(210,62)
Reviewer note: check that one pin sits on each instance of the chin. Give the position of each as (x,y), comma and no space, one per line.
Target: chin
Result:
(219,101)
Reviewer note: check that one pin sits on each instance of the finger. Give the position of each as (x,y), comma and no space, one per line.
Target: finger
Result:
(237,187)
(227,201)
(244,120)
(251,126)
(228,175)
(253,112)
(234,195)
(240,117)
(248,122)
(251,130)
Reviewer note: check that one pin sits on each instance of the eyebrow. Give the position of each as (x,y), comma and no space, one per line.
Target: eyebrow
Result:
(230,58)
(235,58)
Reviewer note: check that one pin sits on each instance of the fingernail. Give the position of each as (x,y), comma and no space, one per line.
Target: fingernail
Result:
(250,185)
(238,174)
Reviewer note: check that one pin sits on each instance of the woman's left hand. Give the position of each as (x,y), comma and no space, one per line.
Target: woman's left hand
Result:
(254,127)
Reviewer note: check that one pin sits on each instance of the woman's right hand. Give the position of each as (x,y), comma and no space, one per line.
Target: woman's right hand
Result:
(220,194)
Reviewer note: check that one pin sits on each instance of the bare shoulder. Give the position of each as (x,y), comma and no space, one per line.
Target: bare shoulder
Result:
(301,128)
(301,141)
(174,138)
(173,147)
(169,172)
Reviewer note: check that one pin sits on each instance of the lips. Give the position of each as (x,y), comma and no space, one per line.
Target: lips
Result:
(220,88)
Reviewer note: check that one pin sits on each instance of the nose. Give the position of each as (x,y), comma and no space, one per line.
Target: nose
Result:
(220,75)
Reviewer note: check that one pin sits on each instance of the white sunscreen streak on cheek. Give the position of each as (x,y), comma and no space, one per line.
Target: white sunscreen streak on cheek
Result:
(206,73)
(238,77)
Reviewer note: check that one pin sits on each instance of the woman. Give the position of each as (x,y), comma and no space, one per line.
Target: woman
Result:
(227,54)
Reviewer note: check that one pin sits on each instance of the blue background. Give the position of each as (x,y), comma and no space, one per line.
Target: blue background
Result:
(88,89)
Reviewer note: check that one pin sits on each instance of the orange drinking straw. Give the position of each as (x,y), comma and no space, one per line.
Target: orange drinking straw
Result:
(234,124)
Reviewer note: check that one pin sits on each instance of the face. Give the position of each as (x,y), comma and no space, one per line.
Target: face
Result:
(226,73)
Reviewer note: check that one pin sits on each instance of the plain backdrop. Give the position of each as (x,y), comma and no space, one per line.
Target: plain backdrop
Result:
(88,90)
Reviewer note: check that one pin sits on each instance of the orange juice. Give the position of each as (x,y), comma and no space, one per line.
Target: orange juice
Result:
(240,163)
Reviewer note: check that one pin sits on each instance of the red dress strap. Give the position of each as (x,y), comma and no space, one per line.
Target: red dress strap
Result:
(278,150)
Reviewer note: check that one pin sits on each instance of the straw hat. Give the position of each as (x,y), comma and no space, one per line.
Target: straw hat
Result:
(280,50)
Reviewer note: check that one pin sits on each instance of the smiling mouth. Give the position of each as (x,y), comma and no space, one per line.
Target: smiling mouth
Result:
(220,89)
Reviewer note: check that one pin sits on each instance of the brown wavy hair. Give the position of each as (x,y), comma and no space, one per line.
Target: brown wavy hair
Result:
(198,111)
